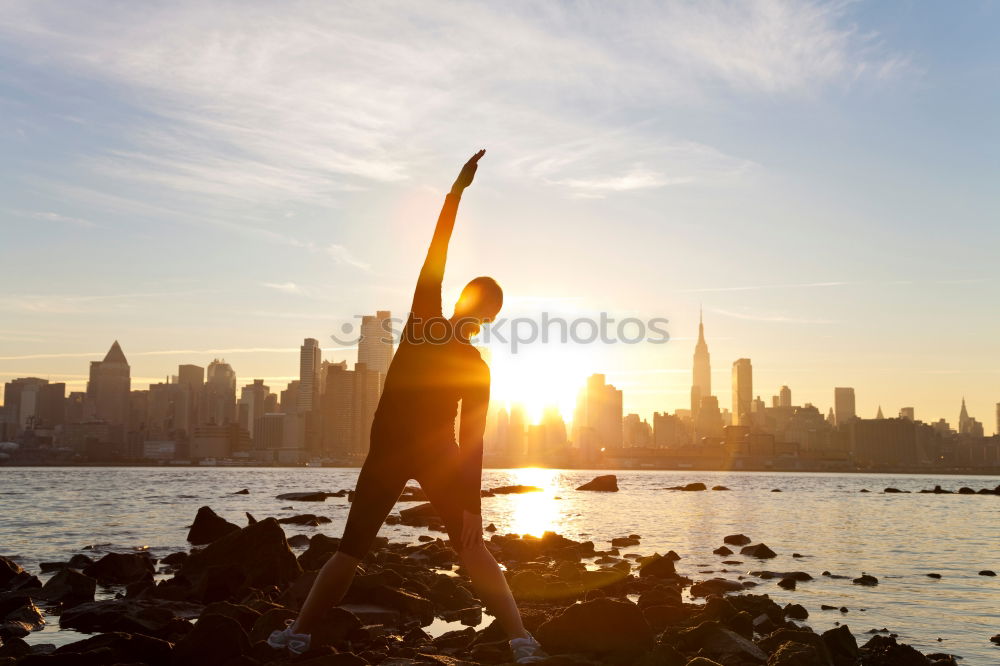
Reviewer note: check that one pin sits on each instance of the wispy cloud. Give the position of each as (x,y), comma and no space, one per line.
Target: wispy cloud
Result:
(159,352)
(760,287)
(342,255)
(47,216)
(246,101)
(770,317)
(287,287)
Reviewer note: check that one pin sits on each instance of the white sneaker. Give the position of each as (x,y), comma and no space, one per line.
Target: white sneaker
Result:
(285,639)
(527,650)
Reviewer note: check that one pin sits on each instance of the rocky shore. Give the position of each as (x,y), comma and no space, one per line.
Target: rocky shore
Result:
(587,603)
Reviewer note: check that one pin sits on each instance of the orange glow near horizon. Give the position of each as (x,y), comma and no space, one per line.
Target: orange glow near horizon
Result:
(546,376)
(534,513)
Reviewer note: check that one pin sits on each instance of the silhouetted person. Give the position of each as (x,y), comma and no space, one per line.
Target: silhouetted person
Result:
(413,437)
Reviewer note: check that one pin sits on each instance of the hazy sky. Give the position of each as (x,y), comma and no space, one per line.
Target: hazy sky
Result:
(224,179)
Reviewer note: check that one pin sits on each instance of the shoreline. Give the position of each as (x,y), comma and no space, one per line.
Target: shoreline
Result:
(587,603)
(989,472)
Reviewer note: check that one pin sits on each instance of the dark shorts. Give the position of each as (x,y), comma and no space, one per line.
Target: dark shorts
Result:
(383,477)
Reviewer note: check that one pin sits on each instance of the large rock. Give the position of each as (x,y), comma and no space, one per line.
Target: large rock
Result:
(162,619)
(321,548)
(715,586)
(122,648)
(604,483)
(657,566)
(208,526)
(602,625)
(760,551)
(120,568)
(711,639)
(420,515)
(68,587)
(215,640)
(842,645)
(313,496)
(690,487)
(256,556)
(736,540)
(808,648)
(13,577)
(309,519)
(515,490)
(885,651)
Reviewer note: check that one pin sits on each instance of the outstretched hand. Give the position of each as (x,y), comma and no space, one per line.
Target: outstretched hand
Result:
(467,174)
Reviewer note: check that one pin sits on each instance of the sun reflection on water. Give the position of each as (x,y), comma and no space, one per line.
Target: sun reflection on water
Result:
(537,512)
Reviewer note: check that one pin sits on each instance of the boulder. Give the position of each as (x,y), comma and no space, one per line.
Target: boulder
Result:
(715,586)
(512,490)
(321,548)
(722,550)
(19,615)
(736,540)
(690,487)
(760,551)
(719,488)
(602,625)
(122,648)
(841,645)
(866,579)
(420,515)
(310,519)
(244,615)
(657,566)
(161,619)
(215,640)
(245,491)
(711,639)
(13,577)
(68,587)
(120,568)
(987,572)
(208,526)
(624,542)
(604,483)
(256,556)
(885,651)
(795,612)
(313,496)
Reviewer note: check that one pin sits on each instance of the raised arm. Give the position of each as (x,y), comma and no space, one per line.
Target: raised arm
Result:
(427,296)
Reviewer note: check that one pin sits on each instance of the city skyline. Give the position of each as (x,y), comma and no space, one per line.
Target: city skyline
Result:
(829,198)
(376,348)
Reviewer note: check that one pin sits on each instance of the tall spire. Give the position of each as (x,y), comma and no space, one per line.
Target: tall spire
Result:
(879,415)
(701,326)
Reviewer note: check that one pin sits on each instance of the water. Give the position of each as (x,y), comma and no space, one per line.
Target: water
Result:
(51,513)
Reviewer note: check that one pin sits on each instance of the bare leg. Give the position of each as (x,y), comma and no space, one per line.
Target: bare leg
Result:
(492,588)
(329,588)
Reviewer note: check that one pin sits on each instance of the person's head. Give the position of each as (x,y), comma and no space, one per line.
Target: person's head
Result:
(479,303)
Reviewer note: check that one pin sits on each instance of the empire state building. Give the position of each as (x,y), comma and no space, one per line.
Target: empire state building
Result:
(701,384)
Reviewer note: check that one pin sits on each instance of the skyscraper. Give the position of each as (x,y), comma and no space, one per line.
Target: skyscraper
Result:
(701,375)
(375,344)
(598,419)
(310,357)
(108,387)
(742,391)
(219,394)
(907,413)
(785,397)
(843,404)
(253,404)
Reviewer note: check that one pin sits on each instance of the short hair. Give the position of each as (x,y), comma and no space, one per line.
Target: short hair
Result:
(482,294)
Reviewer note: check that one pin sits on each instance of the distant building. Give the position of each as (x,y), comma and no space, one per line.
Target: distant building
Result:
(108,387)
(710,420)
(906,413)
(349,404)
(33,403)
(254,404)
(843,405)
(310,358)
(784,397)
(219,441)
(742,391)
(670,431)
(375,344)
(701,373)
(219,394)
(598,420)
(636,432)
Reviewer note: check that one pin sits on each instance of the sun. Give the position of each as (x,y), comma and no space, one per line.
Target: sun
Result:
(539,376)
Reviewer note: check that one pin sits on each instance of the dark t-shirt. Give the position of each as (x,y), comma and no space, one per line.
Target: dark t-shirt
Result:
(431,372)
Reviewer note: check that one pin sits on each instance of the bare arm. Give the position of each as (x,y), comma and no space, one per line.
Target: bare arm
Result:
(427,296)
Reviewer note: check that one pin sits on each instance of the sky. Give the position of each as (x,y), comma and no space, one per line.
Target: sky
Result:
(202,180)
